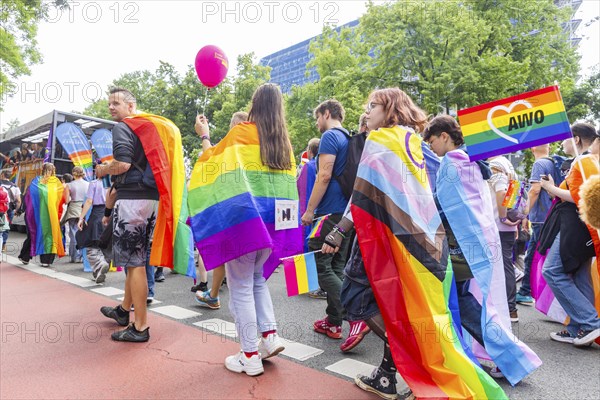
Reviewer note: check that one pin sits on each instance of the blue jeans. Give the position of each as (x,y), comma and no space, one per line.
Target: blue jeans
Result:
(10,213)
(249,298)
(574,291)
(525,289)
(74,253)
(470,311)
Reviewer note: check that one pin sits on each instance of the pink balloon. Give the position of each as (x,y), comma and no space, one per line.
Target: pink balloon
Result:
(211,66)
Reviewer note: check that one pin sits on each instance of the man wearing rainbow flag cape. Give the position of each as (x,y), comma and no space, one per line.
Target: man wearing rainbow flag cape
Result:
(148,160)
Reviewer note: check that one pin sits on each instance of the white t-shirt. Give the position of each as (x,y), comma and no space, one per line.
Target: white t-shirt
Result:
(499,183)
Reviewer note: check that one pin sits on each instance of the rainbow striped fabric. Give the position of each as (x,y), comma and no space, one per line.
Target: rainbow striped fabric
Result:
(43,204)
(515,123)
(300,274)
(399,227)
(172,240)
(232,202)
(77,146)
(467,204)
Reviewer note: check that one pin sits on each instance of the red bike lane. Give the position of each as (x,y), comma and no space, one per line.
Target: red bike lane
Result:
(56,345)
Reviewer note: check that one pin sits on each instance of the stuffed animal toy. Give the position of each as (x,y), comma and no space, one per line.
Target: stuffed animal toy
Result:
(589,206)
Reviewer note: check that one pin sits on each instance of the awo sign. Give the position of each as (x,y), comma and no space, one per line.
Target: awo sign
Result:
(515,123)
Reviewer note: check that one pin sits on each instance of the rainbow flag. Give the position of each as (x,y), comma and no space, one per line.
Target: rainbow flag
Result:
(13,174)
(77,146)
(467,205)
(398,224)
(515,123)
(232,202)
(512,194)
(172,240)
(43,204)
(300,274)
(318,225)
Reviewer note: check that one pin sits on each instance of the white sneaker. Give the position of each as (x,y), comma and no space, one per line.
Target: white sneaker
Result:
(518,274)
(270,346)
(240,363)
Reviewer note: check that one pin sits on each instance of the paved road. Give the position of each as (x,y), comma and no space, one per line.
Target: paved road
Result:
(567,372)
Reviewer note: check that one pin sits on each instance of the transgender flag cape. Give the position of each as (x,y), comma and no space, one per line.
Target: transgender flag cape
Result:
(401,234)
(43,203)
(465,200)
(172,240)
(232,202)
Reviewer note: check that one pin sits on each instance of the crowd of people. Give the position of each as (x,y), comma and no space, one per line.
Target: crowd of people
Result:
(117,225)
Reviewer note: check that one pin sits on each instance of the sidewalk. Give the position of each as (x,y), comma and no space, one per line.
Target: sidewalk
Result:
(56,345)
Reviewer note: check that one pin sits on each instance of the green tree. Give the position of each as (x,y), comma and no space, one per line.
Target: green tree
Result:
(18,45)
(181,98)
(451,55)
(583,100)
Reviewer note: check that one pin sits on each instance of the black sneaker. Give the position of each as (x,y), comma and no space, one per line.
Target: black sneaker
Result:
(380,382)
(159,277)
(586,338)
(117,313)
(25,262)
(130,334)
(202,286)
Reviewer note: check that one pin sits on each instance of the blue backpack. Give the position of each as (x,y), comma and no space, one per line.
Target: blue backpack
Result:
(561,168)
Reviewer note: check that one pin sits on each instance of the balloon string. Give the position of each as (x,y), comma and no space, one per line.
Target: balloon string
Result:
(205,100)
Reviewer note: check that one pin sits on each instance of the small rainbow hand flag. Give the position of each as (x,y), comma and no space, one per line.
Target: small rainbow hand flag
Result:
(515,123)
(316,230)
(513,192)
(300,273)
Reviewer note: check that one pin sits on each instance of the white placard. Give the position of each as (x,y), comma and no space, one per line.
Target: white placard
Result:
(286,214)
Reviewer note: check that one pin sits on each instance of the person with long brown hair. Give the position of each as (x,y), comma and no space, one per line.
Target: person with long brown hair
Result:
(233,217)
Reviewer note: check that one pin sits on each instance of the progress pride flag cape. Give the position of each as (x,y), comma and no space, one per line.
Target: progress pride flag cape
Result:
(465,200)
(172,240)
(44,202)
(402,237)
(232,202)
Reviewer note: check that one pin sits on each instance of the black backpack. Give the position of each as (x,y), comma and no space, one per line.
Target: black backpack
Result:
(356,144)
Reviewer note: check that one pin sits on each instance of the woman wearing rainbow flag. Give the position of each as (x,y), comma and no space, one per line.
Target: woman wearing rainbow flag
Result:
(405,276)
(233,194)
(43,208)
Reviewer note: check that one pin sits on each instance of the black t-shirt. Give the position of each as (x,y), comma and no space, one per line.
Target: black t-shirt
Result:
(128,148)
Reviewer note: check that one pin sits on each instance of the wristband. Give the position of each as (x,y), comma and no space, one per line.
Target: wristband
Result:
(107,212)
(504,219)
(339,230)
(205,137)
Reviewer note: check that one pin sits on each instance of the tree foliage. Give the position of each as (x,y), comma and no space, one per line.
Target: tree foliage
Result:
(18,45)
(181,98)
(446,55)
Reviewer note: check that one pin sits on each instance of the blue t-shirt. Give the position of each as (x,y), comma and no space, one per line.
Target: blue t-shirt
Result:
(333,142)
(540,208)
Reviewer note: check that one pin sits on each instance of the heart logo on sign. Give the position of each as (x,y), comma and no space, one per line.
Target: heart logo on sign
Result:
(508,111)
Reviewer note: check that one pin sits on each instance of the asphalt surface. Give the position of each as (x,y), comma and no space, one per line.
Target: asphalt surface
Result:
(566,373)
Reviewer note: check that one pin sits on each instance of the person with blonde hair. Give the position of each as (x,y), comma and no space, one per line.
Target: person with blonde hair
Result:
(75,193)
(43,199)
